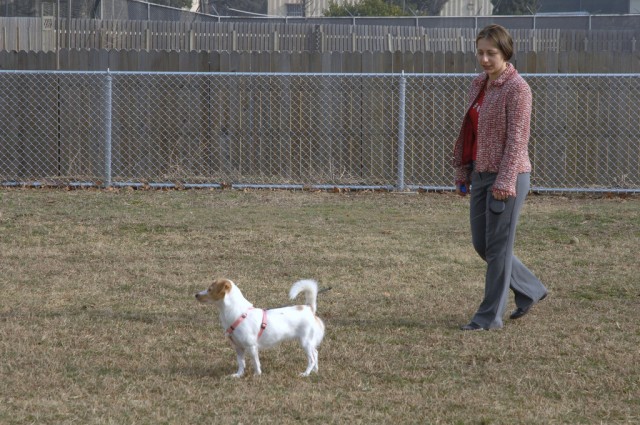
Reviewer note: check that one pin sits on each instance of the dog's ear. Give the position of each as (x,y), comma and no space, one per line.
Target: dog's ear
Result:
(219,288)
(226,286)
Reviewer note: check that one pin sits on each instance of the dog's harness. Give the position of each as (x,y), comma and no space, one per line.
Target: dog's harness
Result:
(243,316)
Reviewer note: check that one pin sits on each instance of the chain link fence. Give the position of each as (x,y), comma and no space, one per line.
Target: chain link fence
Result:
(375,131)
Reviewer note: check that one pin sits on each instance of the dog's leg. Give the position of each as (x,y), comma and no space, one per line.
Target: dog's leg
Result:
(253,352)
(239,358)
(315,367)
(241,363)
(312,360)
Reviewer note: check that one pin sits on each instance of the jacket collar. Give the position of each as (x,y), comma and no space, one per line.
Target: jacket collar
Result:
(481,79)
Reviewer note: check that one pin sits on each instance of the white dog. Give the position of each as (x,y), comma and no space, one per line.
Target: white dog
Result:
(251,329)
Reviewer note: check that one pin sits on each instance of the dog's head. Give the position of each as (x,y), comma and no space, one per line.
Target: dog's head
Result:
(216,291)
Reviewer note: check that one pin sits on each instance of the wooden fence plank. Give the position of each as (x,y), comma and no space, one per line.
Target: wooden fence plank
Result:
(471,63)
(352,62)
(459,62)
(547,62)
(336,62)
(315,62)
(213,61)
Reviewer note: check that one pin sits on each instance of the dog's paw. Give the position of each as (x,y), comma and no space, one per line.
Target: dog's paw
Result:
(236,375)
(304,374)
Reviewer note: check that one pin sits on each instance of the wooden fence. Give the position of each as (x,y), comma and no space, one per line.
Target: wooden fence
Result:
(349,62)
(48,34)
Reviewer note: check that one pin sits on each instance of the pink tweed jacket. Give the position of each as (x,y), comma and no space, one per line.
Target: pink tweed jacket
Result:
(503,130)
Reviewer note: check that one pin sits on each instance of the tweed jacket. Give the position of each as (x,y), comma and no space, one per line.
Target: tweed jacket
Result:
(503,130)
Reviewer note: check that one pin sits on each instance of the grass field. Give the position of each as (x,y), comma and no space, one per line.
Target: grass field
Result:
(98,323)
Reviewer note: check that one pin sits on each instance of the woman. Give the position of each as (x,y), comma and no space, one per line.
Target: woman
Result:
(491,156)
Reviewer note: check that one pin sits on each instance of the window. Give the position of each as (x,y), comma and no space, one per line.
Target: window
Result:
(295,9)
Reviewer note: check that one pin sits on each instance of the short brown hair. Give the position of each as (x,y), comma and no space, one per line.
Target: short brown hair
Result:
(500,36)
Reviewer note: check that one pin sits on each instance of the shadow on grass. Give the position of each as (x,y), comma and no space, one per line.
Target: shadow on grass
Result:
(221,370)
(447,322)
(108,313)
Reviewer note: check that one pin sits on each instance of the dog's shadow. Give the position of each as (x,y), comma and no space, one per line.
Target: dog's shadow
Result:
(216,371)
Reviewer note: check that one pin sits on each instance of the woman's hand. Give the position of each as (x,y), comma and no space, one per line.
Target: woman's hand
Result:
(499,195)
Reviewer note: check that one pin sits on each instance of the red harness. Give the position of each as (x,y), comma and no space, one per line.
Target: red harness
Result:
(243,316)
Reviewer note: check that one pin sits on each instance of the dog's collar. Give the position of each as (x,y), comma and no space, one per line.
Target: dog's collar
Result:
(243,316)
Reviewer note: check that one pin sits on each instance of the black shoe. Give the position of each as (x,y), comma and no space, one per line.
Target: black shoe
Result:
(472,326)
(519,312)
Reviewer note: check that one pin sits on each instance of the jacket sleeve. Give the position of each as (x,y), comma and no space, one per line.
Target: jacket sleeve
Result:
(463,175)
(516,149)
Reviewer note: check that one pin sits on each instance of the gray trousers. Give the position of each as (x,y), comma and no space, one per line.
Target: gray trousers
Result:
(493,236)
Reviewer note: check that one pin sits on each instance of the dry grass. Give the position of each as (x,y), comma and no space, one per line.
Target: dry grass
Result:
(98,324)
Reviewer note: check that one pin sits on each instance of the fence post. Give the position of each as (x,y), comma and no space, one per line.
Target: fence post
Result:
(107,132)
(353,41)
(401,121)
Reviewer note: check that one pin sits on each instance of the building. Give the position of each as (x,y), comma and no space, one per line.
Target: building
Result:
(314,8)
(593,7)
(467,8)
(309,8)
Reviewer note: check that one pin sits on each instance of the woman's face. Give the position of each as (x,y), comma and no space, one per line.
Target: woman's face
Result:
(490,58)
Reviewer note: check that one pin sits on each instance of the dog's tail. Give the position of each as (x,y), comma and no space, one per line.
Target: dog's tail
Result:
(310,289)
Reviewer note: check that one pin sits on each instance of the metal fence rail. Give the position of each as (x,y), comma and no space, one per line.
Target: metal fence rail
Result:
(390,131)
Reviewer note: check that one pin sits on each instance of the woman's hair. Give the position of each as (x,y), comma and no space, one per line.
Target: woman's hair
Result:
(500,37)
